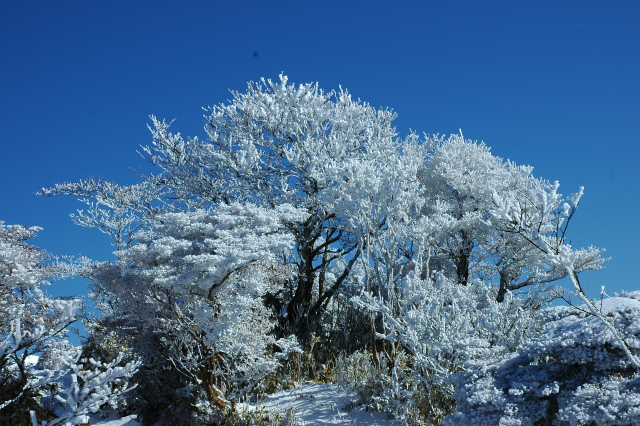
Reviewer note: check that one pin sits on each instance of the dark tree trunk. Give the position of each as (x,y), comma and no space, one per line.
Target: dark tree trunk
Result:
(463,258)
(298,307)
(504,286)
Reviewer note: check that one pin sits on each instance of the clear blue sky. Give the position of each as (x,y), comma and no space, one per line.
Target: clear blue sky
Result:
(552,84)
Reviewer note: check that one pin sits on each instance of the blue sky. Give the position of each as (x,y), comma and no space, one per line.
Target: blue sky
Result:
(552,84)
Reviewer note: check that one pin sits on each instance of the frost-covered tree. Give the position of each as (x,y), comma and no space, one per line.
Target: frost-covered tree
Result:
(449,299)
(365,192)
(542,221)
(574,373)
(188,296)
(458,181)
(461,181)
(28,319)
(276,143)
(33,324)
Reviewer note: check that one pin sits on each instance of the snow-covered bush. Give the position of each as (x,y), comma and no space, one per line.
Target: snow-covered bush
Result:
(395,390)
(85,387)
(33,324)
(574,373)
(187,298)
(442,325)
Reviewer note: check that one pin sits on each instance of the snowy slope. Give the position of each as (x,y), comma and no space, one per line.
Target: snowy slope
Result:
(322,404)
(312,404)
(113,420)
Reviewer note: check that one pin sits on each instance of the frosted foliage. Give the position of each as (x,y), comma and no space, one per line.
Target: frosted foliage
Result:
(115,210)
(450,248)
(55,355)
(542,222)
(196,251)
(20,264)
(468,168)
(300,139)
(612,402)
(28,319)
(364,189)
(195,281)
(334,156)
(573,373)
(541,216)
(444,325)
(275,143)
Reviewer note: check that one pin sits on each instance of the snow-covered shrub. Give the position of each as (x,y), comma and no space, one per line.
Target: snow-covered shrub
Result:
(395,390)
(33,324)
(442,325)
(574,373)
(187,298)
(249,416)
(360,373)
(86,386)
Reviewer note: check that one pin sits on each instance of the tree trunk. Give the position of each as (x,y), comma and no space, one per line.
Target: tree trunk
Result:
(298,307)
(504,286)
(463,258)
(214,394)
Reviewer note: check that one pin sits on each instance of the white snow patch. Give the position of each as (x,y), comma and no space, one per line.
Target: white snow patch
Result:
(114,420)
(619,304)
(312,404)
(31,360)
(322,404)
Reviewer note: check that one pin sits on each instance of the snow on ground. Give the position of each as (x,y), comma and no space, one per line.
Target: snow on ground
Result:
(322,404)
(114,420)
(312,404)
